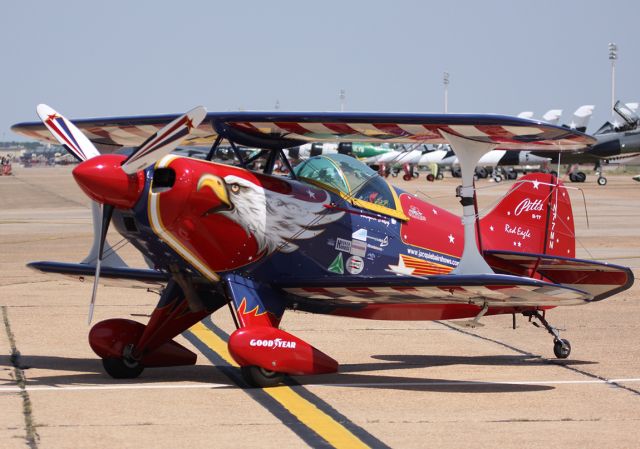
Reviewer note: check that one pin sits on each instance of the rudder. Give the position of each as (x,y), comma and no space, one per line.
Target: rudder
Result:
(535,216)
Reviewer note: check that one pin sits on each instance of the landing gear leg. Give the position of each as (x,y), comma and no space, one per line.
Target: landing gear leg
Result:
(561,347)
(602,181)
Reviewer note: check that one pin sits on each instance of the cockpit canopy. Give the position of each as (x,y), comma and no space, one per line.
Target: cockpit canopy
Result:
(352,180)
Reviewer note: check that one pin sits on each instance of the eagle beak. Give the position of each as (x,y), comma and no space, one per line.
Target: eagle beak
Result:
(219,187)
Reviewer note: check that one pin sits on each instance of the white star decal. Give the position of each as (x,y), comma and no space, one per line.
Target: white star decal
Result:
(519,244)
(508,212)
(311,194)
(401,268)
(435,212)
(536,184)
(491,228)
(514,244)
(451,238)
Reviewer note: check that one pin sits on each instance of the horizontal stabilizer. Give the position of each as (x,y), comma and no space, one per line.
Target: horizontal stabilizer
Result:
(599,279)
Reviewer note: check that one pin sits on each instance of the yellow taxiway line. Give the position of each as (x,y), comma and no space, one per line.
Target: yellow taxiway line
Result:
(305,411)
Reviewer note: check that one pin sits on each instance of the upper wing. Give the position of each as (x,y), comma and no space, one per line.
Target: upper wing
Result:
(283,129)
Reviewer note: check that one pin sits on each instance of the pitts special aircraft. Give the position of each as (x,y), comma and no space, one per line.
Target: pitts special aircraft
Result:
(332,237)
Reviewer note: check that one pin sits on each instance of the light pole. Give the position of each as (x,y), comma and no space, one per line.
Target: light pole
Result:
(445,81)
(613,56)
(342,96)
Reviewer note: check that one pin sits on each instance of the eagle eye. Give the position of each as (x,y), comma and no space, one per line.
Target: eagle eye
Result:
(235,188)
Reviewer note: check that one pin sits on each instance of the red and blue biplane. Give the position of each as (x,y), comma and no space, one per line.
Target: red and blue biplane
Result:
(329,237)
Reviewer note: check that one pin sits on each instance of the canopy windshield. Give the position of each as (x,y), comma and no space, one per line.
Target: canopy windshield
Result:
(353,180)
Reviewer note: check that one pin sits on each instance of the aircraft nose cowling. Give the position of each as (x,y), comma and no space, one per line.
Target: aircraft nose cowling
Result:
(104,181)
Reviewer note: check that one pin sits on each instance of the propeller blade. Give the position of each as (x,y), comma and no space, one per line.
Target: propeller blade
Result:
(107,212)
(164,141)
(69,136)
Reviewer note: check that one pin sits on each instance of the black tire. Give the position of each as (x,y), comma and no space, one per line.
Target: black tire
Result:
(416,174)
(602,181)
(407,177)
(497,178)
(512,174)
(562,348)
(119,369)
(456,172)
(554,173)
(573,177)
(481,172)
(430,177)
(439,176)
(581,177)
(258,377)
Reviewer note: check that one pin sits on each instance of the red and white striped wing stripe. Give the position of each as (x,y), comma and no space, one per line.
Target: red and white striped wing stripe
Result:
(493,295)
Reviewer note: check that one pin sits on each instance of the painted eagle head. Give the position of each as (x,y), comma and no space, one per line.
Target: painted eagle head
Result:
(274,219)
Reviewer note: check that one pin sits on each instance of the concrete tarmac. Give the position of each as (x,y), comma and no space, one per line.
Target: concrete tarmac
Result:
(401,384)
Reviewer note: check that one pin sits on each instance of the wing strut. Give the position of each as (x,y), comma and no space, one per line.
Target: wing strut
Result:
(469,153)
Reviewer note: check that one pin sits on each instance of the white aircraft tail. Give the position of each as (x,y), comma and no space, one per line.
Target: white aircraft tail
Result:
(581,117)
(552,116)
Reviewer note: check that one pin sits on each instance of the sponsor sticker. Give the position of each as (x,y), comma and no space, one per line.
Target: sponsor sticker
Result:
(355,265)
(358,248)
(277,343)
(360,234)
(337,266)
(343,245)
(416,213)
(381,242)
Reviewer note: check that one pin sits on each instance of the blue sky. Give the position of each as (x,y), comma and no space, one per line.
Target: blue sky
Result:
(116,57)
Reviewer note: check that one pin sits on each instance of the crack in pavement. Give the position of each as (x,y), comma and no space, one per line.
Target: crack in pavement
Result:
(31,435)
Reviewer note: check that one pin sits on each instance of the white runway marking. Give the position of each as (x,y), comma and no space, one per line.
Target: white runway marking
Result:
(36,388)
(113,387)
(450,383)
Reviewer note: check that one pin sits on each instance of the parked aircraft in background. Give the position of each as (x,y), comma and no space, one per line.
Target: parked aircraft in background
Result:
(614,141)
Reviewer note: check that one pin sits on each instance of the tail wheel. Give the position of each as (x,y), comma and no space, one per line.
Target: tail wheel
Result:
(602,181)
(407,177)
(562,348)
(259,377)
(122,369)
(439,176)
(430,177)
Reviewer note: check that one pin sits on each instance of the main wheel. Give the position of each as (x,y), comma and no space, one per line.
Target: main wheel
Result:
(122,369)
(407,177)
(497,178)
(562,348)
(602,181)
(581,177)
(430,177)
(439,176)
(259,377)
